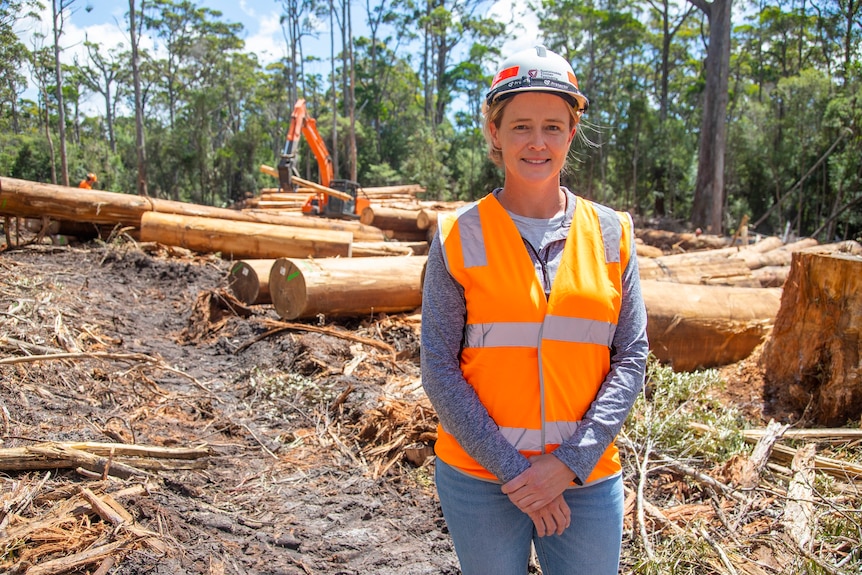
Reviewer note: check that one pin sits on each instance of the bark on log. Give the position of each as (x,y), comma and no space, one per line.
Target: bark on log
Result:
(813,358)
(394,219)
(372,249)
(249,281)
(765,245)
(646,251)
(361,232)
(771,276)
(672,241)
(780,256)
(243,240)
(407,236)
(304,288)
(403,190)
(33,199)
(706,269)
(698,326)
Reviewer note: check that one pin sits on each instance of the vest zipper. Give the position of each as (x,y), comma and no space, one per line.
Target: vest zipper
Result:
(546,284)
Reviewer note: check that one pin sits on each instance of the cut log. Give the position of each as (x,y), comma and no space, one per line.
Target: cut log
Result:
(242,240)
(646,251)
(705,269)
(33,199)
(407,235)
(771,276)
(361,232)
(399,191)
(778,257)
(765,245)
(335,287)
(674,242)
(813,358)
(371,249)
(698,326)
(426,218)
(394,219)
(249,281)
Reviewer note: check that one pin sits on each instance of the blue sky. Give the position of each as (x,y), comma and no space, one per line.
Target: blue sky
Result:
(104,21)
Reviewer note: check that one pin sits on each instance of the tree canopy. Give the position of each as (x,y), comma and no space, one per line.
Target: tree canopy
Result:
(702,113)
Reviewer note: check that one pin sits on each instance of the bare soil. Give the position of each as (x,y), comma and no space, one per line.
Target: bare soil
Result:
(308,432)
(290,486)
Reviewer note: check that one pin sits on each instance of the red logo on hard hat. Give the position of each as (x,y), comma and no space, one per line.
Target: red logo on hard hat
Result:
(533,73)
(504,74)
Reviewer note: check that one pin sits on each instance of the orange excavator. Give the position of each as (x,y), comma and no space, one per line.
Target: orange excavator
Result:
(332,198)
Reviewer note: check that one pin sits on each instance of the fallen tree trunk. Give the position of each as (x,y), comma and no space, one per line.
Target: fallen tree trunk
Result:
(672,241)
(361,232)
(371,249)
(335,287)
(705,269)
(394,219)
(698,326)
(398,191)
(32,199)
(249,281)
(812,359)
(771,276)
(242,240)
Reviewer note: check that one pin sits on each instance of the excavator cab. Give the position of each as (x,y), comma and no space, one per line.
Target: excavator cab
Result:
(337,207)
(345,203)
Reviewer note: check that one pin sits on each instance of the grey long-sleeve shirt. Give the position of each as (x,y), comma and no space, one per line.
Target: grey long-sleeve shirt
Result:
(444,315)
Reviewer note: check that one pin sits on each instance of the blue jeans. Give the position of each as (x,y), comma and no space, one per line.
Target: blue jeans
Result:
(493,537)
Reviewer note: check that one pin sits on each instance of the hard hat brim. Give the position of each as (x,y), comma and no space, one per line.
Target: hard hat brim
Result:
(516,86)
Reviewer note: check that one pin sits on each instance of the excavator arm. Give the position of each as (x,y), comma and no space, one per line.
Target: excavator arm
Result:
(302,124)
(346,204)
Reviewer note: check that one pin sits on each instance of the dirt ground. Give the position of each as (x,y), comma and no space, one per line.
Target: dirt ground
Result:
(306,432)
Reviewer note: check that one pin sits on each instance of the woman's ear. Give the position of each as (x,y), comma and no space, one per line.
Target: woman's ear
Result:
(492,130)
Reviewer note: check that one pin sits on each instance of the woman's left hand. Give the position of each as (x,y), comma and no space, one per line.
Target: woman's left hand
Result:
(546,478)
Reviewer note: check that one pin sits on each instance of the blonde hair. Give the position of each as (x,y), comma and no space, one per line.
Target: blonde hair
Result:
(493,114)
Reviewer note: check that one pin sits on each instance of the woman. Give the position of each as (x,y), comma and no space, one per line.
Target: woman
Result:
(533,344)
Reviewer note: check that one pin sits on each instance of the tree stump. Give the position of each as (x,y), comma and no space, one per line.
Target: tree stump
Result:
(813,358)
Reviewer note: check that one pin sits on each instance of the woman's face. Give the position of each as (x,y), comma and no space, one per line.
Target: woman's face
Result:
(534,136)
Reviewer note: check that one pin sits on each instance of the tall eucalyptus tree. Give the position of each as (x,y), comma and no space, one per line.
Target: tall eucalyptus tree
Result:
(59,9)
(13,57)
(135,25)
(449,27)
(707,209)
(106,75)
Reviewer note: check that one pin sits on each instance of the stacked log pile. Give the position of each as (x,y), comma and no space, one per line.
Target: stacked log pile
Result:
(708,303)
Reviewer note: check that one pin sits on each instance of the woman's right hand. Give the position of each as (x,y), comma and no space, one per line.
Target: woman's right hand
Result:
(552,519)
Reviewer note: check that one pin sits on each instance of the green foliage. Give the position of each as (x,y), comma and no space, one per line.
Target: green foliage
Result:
(213,113)
(426,163)
(25,157)
(672,403)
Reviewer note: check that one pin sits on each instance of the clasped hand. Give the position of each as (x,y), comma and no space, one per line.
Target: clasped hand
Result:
(538,492)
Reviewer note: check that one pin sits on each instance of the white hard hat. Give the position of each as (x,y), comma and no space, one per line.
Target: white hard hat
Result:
(537,69)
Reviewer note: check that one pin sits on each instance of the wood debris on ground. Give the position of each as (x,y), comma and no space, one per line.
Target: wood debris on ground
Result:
(292,402)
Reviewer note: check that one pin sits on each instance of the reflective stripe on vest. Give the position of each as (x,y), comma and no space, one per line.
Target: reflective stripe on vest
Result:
(526,334)
(555,432)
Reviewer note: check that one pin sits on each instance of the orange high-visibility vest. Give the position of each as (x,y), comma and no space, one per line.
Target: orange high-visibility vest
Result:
(536,363)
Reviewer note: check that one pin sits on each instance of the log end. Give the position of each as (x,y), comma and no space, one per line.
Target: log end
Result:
(287,288)
(244,282)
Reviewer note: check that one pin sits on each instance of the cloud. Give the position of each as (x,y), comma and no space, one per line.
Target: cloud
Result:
(267,41)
